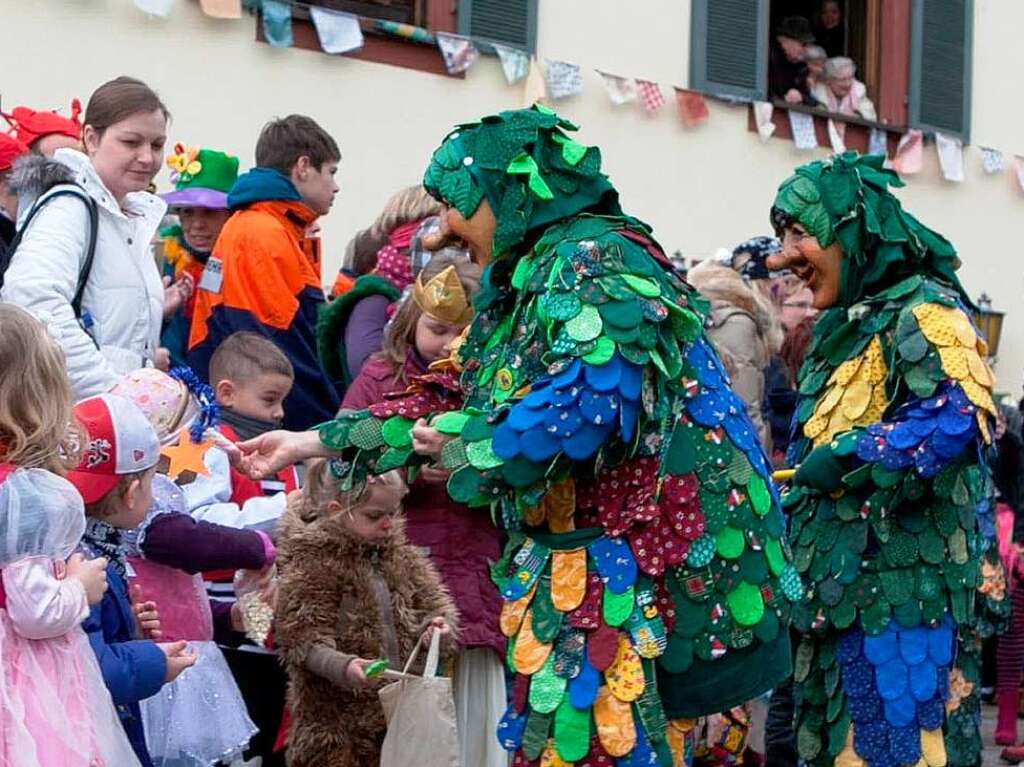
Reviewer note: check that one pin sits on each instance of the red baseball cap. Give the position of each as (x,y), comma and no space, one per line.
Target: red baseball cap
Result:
(28,125)
(10,150)
(120,441)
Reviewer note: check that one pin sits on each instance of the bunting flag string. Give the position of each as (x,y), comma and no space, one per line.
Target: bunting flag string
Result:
(339,32)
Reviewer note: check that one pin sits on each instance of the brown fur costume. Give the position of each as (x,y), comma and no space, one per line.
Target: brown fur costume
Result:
(327,598)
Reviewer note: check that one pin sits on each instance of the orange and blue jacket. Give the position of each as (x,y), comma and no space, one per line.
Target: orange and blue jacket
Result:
(264,277)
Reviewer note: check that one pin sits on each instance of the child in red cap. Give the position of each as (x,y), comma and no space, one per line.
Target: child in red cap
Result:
(45,132)
(115,478)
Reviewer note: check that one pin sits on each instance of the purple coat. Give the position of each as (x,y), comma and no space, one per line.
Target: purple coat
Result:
(461,542)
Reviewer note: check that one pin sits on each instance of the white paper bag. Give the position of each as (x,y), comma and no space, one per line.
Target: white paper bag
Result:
(420,713)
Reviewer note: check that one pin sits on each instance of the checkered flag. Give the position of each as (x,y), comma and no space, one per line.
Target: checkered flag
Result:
(650,95)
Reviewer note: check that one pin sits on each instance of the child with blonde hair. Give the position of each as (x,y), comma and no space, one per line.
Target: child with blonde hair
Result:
(352,590)
(54,706)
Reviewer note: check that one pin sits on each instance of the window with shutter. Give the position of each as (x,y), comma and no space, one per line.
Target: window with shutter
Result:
(507,22)
(728,47)
(940,66)
(403,11)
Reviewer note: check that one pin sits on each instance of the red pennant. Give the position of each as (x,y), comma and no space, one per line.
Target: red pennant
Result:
(693,109)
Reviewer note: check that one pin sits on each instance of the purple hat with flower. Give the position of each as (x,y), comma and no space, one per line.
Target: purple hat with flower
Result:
(202,178)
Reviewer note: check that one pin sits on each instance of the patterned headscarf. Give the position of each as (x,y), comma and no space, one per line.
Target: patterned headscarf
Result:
(759,249)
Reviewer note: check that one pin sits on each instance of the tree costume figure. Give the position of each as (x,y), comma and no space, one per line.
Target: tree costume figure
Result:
(646,577)
(894,415)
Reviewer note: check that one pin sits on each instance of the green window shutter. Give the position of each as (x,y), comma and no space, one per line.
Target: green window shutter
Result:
(508,22)
(729,47)
(941,34)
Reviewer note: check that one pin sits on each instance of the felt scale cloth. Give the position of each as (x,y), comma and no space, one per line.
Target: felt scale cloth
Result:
(646,578)
(890,512)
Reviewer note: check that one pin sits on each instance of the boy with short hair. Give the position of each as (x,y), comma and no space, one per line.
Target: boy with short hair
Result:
(264,273)
(251,378)
(114,477)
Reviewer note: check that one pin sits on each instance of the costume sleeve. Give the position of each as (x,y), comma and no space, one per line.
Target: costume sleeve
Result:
(39,605)
(42,279)
(132,670)
(178,540)
(308,605)
(209,499)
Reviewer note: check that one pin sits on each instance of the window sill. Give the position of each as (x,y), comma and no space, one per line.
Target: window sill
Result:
(378,48)
(858,130)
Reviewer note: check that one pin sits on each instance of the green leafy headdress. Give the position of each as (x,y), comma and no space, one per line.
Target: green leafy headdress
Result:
(846,199)
(527,168)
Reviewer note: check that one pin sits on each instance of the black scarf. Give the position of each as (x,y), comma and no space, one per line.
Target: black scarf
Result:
(244,426)
(108,541)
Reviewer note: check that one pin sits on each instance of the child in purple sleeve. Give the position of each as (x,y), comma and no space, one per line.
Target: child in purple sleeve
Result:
(200,718)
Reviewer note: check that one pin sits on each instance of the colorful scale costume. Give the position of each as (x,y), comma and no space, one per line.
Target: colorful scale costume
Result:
(646,577)
(894,416)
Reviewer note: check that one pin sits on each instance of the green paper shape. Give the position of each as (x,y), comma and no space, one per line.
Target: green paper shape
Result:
(641,285)
(397,432)
(730,542)
(546,689)
(572,151)
(603,351)
(453,454)
(481,455)
(535,736)
(451,423)
(572,731)
(585,326)
(760,498)
(616,608)
(392,458)
(678,655)
(524,165)
(366,434)
(745,604)
(547,621)
(776,559)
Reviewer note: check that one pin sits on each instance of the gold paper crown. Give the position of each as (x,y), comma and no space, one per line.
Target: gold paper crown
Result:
(443,297)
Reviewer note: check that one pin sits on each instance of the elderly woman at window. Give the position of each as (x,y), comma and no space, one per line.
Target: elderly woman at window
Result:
(841,92)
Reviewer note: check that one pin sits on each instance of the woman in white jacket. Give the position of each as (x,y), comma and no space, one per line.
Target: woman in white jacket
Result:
(123,304)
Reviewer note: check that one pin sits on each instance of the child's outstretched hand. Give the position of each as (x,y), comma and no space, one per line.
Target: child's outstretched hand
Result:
(438,624)
(179,658)
(146,615)
(355,672)
(92,573)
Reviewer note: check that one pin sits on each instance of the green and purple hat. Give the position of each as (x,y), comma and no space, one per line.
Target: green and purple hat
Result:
(202,178)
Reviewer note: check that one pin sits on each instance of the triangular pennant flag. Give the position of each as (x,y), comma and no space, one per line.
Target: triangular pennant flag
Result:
(650,95)
(837,136)
(222,9)
(763,111)
(338,32)
(564,79)
(621,90)
(909,154)
(802,125)
(534,89)
(514,63)
(155,7)
(1019,162)
(992,160)
(458,52)
(277,23)
(693,109)
(951,156)
(878,142)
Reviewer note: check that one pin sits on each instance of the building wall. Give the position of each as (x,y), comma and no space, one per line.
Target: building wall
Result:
(700,188)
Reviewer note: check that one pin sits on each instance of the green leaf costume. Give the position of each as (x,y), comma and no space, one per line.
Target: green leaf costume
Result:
(646,577)
(890,507)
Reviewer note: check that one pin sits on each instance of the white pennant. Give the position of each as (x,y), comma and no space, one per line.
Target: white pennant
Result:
(564,79)
(763,111)
(951,156)
(621,90)
(459,52)
(877,142)
(338,32)
(155,7)
(836,137)
(514,63)
(992,160)
(802,125)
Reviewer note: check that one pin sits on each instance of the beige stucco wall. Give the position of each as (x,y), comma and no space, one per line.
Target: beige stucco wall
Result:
(701,188)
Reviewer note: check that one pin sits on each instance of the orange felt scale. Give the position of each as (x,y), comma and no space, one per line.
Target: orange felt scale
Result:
(614,720)
(568,579)
(530,653)
(625,677)
(512,613)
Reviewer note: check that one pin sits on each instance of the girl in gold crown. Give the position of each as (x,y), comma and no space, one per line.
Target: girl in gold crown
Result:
(461,543)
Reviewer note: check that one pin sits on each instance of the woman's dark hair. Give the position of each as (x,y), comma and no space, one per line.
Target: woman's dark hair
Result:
(120,98)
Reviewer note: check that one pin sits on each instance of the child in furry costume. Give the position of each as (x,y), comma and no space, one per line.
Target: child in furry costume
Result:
(352,590)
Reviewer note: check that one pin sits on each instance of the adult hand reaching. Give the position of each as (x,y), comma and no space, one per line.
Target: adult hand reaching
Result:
(268,453)
(428,441)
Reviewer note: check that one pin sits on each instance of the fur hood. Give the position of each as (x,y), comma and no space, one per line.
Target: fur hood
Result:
(726,289)
(34,175)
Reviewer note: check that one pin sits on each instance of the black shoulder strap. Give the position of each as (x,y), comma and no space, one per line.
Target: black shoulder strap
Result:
(72,190)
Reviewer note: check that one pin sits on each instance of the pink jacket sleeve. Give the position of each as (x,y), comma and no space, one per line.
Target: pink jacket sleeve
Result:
(39,605)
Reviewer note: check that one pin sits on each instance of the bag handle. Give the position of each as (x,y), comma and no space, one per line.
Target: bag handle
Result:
(433,655)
